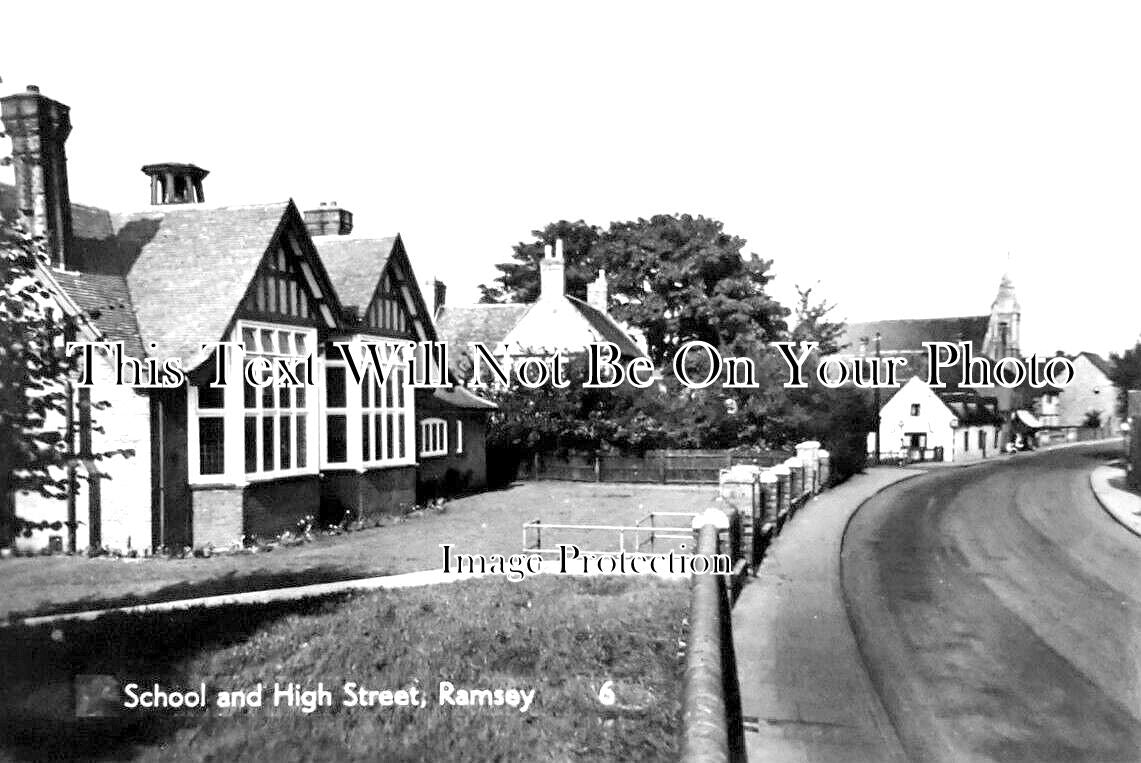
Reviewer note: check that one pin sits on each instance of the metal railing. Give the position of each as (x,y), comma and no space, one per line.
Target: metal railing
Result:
(631,538)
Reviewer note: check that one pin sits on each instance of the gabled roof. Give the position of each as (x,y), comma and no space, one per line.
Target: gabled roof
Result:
(354,265)
(490,324)
(173,275)
(1100,363)
(487,324)
(908,335)
(607,328)
(191,266)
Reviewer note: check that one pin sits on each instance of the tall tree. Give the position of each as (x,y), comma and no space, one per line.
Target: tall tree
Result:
(680,278)
(518,280)
(1126,375)
(675,277)
(812,324)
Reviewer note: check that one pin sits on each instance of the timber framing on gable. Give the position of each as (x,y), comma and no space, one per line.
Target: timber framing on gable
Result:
(397,307)
(290,284)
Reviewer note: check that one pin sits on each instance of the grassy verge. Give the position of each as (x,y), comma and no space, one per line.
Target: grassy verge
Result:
(561,637)
(487,523)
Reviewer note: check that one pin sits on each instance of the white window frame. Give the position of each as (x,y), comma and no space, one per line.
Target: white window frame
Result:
(233,412)
(193,440)
(301,411)
(459,437)
(361,406)
(433,438)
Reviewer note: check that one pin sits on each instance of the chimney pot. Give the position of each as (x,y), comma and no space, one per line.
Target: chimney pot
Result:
(552,273)
(33,88)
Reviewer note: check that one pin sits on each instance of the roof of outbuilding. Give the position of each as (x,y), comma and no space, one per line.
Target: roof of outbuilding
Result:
(908,335)
(347,259)
(971,408)
(461,397)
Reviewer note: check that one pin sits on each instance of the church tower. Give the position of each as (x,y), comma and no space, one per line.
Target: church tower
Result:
(1005,321)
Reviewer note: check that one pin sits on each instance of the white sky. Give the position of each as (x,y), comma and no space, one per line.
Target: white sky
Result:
(894,152)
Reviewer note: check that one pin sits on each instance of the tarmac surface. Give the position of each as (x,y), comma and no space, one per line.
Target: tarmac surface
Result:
(997,609)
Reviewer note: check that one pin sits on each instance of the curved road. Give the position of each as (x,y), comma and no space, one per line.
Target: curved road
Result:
(998,611)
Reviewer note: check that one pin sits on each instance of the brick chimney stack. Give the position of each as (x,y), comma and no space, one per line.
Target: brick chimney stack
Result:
(39,127)
(173,183)
(552,272)
(328,220)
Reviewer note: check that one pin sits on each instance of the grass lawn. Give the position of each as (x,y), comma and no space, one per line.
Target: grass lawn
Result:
(485,523)
(561,637)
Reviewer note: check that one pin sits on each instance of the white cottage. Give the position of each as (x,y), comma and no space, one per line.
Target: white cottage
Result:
(918,424)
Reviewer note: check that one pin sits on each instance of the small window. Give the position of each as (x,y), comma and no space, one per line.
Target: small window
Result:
(915,409)
(433,437)
(459,437)
(966,441)
(211,445)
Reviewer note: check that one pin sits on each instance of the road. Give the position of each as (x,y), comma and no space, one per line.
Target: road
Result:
(998,611)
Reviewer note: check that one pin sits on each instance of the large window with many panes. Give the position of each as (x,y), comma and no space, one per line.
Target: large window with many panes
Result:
(276,412)
(366,423)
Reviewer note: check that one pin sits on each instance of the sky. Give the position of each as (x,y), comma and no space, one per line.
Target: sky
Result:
(898,157)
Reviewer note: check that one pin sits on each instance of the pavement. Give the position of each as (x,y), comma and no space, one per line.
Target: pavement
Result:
(1108,484)
(802,679)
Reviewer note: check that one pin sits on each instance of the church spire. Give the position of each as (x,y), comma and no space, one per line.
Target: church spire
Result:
(1002,335)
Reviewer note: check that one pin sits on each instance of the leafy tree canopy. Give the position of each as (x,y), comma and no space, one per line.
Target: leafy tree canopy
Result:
(1126,374)
(675,277)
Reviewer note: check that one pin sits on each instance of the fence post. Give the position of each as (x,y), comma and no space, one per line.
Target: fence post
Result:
(535,465)
(663,464)
(825,460)
(770,496)
(796,469)
(597,468)
(784,492)
(806,452)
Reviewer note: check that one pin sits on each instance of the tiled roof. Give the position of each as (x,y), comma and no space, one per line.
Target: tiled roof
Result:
(607,328)
(461,397)
(488,324)
(908,335)
(191,267)
(354,265)
(105,299)
(971,408)
(1100,363)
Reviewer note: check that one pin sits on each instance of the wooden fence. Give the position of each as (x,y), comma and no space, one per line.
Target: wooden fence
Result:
(656,466)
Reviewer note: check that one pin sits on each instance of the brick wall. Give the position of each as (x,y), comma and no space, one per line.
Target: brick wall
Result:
(217,516)
(372,493)
(272,507)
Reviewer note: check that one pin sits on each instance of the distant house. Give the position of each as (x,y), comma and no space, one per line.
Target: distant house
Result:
(1090,391)
(992,337)
(919,424)
(214,464)
(554,322)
